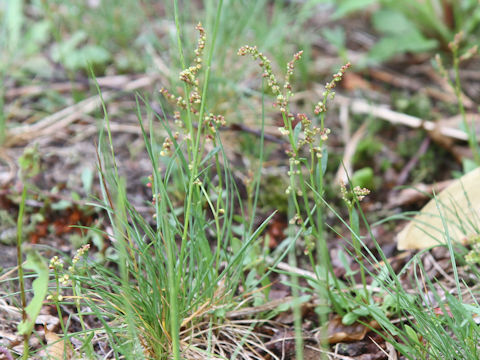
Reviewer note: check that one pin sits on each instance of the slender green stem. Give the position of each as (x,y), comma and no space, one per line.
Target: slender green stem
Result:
(196,150)
(469,128)
(3,120)
(321,242)
(19,250)
(288,124)
(76,296)
(297,314)
(194,159)
(185,87)
(57,303)
(173,292)
(219,209)
(20,266)
(358,252)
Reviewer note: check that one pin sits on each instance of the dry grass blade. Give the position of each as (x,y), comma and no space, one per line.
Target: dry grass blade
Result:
(202,336)
(269,306)
(221,341)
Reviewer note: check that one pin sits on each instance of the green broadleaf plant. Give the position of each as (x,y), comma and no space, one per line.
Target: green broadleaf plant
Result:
(36,263)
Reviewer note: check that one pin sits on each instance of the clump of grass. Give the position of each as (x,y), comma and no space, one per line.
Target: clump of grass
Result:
(173,287)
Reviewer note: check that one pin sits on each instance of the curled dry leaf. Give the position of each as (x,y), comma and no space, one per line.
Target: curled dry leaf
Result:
(456,209)
(338,332)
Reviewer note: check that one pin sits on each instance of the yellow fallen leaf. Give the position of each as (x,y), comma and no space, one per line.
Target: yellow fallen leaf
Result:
(459,206)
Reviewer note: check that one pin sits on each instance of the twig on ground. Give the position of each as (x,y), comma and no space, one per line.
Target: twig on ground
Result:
(114,82)
(402,177)
(406,82)
(384,113)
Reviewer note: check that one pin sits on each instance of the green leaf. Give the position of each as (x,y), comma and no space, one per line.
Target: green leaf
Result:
(94,54)
(355,222)
(75,56)
(391,45)
(324,159)
(389,302)
(14,22)
(412,334)
(401,35)
(414,41)
(251,279)
(323,309)
(345,263)
(361,311)
(61,205)
(30,162)
(36,35)
(382,319)
(363,177)
(64,50)
(335,36)
(391,22)
(210,155)
(36,263)
(220,312)
(349,318)
(349,6)
(296,133)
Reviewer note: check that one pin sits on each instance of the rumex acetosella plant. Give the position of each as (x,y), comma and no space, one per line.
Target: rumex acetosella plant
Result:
(308,157)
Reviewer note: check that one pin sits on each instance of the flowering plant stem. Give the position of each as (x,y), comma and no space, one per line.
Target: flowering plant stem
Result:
(469,128)
(20,266)
(194,156)
(304,137)
(358,252)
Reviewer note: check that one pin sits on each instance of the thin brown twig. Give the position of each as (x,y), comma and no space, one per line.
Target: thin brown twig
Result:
(402,177)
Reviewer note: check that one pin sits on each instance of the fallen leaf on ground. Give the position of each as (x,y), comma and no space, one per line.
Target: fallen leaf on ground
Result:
(56,346)
(459,206)
(419,192)
(338,332)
